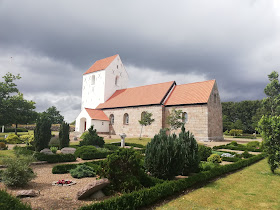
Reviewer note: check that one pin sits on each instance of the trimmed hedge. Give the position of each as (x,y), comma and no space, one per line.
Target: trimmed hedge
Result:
(149,196)
(65,168)
(9,202)
(55,158)
(129,144)
(230,159)
(8,130)
(238,147)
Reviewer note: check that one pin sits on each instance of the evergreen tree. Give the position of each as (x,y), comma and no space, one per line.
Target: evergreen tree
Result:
(42,133)
(64,135)
(92,138)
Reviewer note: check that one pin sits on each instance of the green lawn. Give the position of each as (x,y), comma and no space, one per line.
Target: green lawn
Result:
(6,153)
(143,141)
(254,187)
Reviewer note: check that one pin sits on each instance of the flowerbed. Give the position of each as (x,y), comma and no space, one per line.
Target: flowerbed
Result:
(63,183)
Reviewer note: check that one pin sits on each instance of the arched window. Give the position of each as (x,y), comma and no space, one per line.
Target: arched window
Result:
(215,98)
(143,114)
(117,80)
(93,79)
(125,119)
(112,119)
(185,117)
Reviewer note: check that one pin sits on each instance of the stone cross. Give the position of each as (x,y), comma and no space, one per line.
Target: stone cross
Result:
(123,135)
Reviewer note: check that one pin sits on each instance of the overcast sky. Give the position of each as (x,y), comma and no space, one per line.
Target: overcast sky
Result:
(52,43)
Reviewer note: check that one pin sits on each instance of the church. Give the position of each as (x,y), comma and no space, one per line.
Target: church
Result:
(112,108)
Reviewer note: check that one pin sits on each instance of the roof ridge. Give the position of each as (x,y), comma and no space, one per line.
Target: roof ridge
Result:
(146,85)
(197,82)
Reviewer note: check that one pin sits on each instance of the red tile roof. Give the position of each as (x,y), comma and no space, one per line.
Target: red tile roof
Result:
(192,93)
(97,114)
(144,95)
(101,64)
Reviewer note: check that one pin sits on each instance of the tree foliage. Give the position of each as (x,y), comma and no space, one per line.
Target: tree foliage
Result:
(171,155)
(269,127)
(42,133)
(53,115)
(64,135)
(175,119)
(13,107)
(146,119)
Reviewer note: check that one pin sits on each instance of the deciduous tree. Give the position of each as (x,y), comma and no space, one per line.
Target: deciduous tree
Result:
(146,119)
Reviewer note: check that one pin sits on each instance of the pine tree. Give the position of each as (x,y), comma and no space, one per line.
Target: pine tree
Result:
(42,133)
(64,135)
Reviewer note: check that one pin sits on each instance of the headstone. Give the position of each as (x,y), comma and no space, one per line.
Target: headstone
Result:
(26,193)
(68,150)
(46,151)
(75,138)
(89,189)
(123,135)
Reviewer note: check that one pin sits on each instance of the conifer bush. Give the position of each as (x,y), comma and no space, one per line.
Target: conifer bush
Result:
(82,171)
(64,135)
(204,152)
(169,155)
(91,138)
(42,133)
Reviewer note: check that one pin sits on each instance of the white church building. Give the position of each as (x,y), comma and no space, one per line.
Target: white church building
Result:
(112,108)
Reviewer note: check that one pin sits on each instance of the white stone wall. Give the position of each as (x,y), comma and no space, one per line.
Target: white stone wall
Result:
(93,94)
(115,69)
(100,125)
(82,117)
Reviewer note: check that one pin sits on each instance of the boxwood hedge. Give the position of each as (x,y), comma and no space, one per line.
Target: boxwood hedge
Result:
(55,158)
(148,196)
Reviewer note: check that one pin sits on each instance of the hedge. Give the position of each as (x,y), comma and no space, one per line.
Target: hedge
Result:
(241,148)
(230,159)
(55,158)
(149,196)
(8,130)
(9,202)
(129,144)
(65,168)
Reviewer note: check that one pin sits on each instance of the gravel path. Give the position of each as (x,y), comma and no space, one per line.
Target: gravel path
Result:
(53,197)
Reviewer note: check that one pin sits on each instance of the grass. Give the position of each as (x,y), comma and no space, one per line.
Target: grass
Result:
(5,154)
(143,141)
(254,187)
(19,133)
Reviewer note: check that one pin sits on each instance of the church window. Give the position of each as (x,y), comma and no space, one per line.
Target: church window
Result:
(93,79)
(112,119)
(185,117)
(102,123)
(117,66)
(215,98)
(125,119)
(142,115)
(117,80)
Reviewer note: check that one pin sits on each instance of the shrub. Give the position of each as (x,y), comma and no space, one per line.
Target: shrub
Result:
(54,150)
(18,172)
(226,132)
(92,138)
(111,147)
(206,166)
(55,158)
(169,155)
(54,142)
(7,130)
(123,169)
(246,154)
(253,144)
(13,139)
(234,143)
(3,146)
(22,151)
(65,168)
(82,171)
(83,135)
(42,133)
(231,159)
(148,196)
(8,201)
(91,152)
(214,158)
(85,149)
(64,135)
(235,132)
(27,139)
(204,152)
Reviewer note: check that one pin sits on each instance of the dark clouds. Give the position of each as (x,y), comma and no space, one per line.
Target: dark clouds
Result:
(52,43)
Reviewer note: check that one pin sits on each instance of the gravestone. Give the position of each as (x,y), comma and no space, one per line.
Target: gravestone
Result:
(46,151)
(26,193)
(89,189)
(68,150)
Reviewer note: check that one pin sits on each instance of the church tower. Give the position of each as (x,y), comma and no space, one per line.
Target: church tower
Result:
(101,80)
